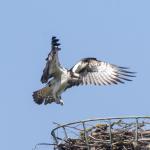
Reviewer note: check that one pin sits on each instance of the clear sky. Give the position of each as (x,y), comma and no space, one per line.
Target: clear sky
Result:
(117,31)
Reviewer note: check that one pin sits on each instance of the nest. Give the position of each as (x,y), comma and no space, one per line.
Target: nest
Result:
(119,135)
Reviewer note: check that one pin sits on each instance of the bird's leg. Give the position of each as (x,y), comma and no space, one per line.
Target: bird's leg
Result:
(59,101)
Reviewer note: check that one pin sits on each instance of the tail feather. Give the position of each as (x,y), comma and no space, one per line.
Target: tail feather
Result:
(40,95)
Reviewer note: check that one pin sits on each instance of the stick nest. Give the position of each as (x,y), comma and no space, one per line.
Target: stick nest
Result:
(118,136)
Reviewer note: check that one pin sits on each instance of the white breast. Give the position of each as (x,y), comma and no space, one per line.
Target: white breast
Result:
(61,83)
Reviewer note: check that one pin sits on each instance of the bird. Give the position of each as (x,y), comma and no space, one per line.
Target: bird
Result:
(87,71)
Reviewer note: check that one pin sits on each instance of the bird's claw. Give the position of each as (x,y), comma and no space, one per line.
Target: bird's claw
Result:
(61,102)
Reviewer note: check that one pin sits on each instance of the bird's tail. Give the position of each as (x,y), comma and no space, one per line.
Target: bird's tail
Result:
(40,95)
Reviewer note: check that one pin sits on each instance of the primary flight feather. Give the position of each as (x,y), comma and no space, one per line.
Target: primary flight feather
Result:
(86,71)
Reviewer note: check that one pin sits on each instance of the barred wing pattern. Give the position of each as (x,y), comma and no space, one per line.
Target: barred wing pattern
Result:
(93,71)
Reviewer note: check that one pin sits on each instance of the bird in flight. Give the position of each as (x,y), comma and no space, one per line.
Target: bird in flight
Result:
(87,71)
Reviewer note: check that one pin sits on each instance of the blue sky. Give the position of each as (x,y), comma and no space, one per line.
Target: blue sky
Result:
(117,31)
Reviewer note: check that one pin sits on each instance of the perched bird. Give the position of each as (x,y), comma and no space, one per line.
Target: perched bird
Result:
(86,71)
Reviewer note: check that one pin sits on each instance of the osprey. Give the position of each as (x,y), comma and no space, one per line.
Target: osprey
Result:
(86,71)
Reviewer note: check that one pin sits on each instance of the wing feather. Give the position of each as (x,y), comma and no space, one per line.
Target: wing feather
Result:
(100,82)
(52,62)
(93,71)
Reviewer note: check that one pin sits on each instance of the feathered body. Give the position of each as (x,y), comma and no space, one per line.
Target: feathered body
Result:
(86,71)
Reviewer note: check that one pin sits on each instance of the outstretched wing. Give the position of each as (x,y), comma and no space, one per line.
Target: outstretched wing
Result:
(52,61)
(93,71)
